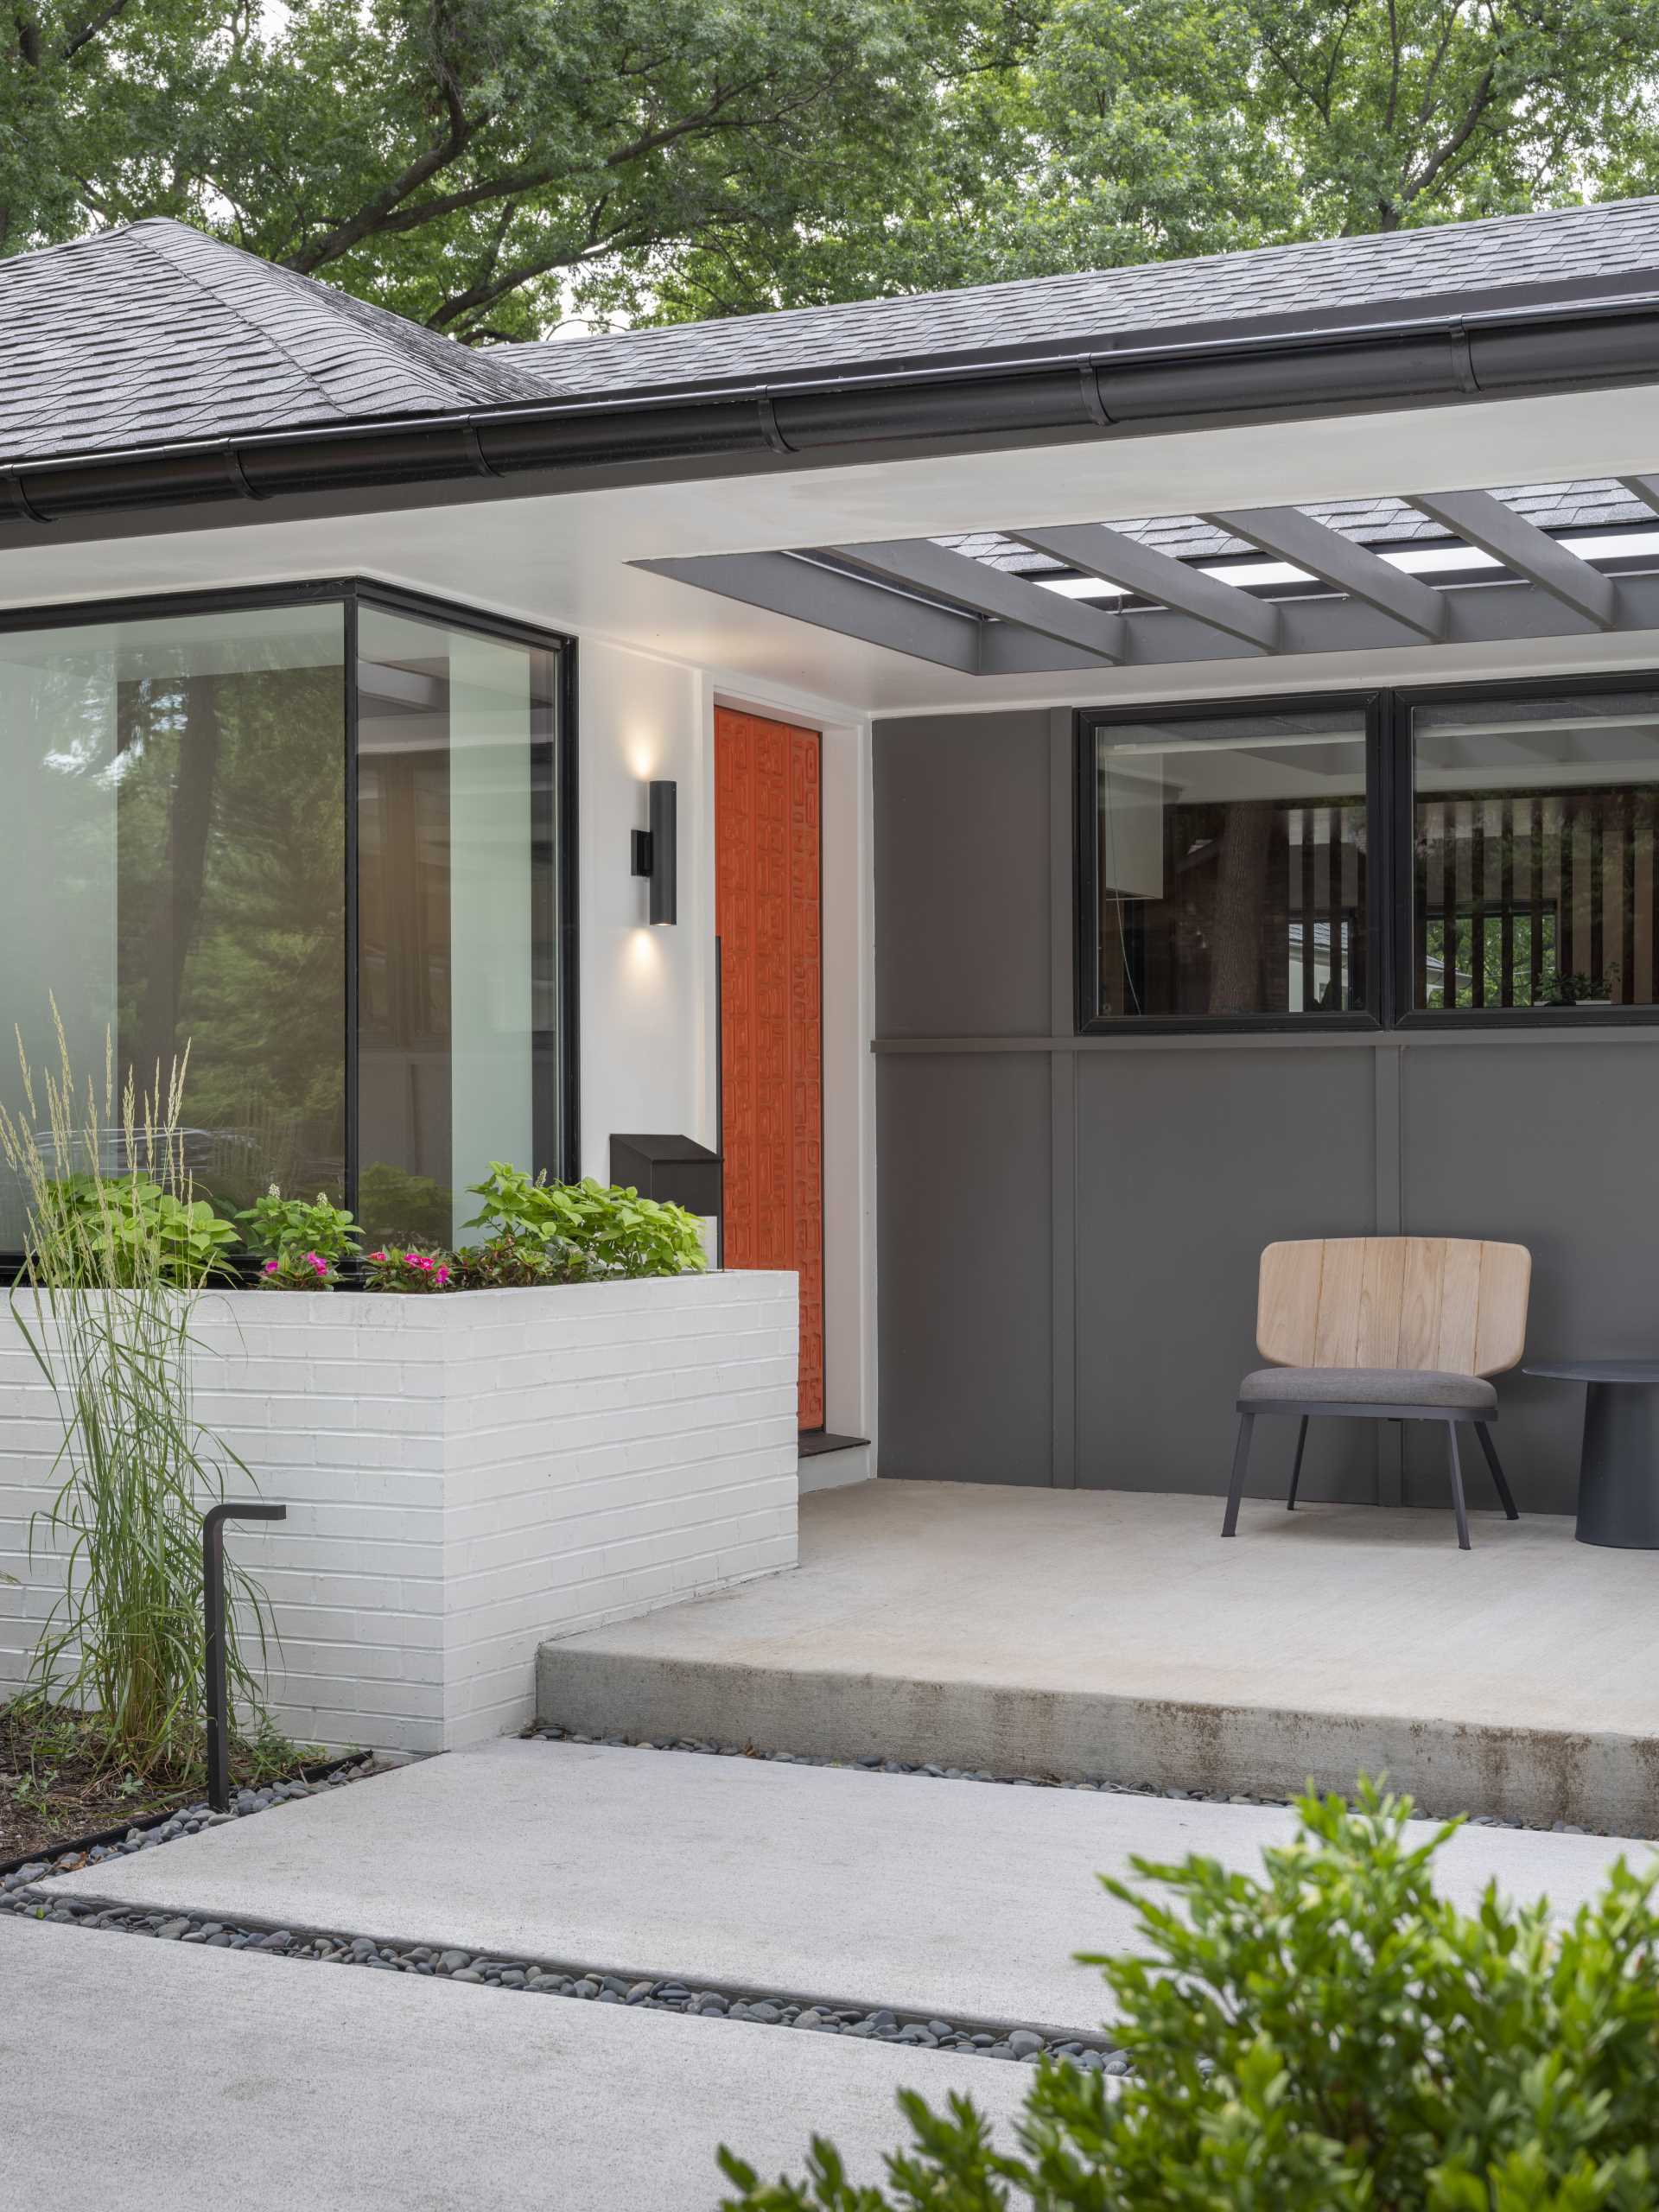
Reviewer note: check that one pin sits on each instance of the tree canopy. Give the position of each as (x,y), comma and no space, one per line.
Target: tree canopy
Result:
(490,166)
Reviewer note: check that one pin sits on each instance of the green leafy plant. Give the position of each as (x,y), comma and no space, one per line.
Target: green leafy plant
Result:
(107,1304)
(277,1227)
(1578,989)
(116,1228)
(509,1261)
(588,1230)
(409,1269)
(1333,2037)
(32,1792)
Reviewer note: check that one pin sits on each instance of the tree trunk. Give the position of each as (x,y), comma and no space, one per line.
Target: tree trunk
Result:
(1235,917)
(156,1038)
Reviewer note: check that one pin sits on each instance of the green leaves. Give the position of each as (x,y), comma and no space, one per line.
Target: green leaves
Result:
(1331,2035)
(589,1230)
(493,166)
(468,162)
(277,1228)
(127,1229)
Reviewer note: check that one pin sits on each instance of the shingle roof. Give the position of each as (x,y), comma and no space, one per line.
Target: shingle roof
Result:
(1573,251)
(158,333)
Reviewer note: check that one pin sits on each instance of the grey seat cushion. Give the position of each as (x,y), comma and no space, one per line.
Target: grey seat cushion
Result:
(1367,1386)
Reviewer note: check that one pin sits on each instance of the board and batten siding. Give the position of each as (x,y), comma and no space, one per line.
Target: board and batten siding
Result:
(1069,1227)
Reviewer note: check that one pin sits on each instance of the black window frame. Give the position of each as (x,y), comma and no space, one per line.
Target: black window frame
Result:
(555,1104)
(1402,701)
(1390,800)
(1091,1021)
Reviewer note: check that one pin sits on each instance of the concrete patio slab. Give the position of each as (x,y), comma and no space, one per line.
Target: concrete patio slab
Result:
(1115,1634)
(162,2079)
(959,1899)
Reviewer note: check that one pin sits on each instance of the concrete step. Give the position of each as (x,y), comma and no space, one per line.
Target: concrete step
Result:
(1113,1635)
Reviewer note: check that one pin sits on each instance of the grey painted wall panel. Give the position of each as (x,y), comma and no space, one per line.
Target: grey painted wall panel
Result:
(1187,1164)
(1124,1193)
(1551,1144)
(961,876)
(963,1254)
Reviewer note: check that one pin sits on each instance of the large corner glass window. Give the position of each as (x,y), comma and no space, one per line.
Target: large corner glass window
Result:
(176,878)
(1533,824)
(316,837)
(1225,866)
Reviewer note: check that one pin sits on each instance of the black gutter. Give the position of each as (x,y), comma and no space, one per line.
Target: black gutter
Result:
(887,411)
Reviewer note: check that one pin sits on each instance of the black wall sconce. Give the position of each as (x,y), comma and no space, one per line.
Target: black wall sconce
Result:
(656,853)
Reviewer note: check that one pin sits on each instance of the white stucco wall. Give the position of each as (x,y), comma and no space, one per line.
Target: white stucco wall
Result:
(465,1478)
(645,992)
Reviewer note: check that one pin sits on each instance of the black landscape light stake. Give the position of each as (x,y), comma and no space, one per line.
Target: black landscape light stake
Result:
(212,1601)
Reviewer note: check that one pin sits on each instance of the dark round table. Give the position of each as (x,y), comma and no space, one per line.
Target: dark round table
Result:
(1618,1466)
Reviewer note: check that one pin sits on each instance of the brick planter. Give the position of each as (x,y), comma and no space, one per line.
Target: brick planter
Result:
(465,1476)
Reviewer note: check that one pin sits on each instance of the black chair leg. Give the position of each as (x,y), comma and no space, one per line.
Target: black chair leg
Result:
(1241,1460)
(1296,1469)
(1456,1487)
(1502,1488)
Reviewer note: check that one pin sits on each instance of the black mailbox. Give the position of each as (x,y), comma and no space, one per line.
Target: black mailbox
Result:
(672,1169)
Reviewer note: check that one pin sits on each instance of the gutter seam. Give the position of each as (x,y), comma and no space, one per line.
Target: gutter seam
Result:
(25,506)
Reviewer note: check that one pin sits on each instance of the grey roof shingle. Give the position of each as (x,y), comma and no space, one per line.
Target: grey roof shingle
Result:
(157,333)
(1574,250)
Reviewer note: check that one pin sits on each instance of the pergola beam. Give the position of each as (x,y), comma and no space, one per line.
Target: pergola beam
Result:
(1645,488)
(1480,519)
(987,591)
(806,589)
(784,583)
(1289,535)
(1100,551)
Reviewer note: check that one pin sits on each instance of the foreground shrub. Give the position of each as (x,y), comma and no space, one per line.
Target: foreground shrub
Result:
(1332,2037)
(588,1230)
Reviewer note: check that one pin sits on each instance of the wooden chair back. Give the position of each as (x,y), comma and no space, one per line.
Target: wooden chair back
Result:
(1416,1304)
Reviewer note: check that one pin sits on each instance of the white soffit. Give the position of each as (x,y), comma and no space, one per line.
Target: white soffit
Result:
(568,561)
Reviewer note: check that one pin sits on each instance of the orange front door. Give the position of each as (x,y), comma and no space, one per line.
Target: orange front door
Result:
(767,858)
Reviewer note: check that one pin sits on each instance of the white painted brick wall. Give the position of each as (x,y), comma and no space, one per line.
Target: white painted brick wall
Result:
(466,1476)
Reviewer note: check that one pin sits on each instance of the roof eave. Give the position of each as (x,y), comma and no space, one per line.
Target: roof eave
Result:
(1041,397)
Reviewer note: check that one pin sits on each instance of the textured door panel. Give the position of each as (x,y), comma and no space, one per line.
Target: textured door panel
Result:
(767,907)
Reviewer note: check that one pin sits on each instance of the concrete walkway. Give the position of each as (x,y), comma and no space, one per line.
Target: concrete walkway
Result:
(960,1898)
(154,2078)
(1108,1634)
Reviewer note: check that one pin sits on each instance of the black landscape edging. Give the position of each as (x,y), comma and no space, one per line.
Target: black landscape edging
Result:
(320,1770)
(912,2030)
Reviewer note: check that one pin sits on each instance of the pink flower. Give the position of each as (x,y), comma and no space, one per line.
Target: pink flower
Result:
(270,1266)
(313,1260)
(443,1274)
(417,1260)
(376,1256)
